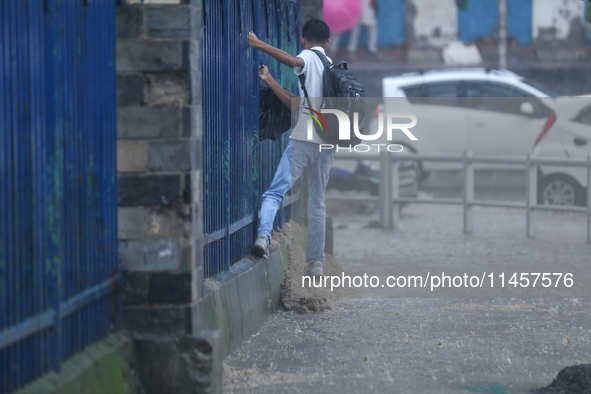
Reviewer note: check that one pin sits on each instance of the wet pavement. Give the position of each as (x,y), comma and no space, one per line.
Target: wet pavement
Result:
(482,340)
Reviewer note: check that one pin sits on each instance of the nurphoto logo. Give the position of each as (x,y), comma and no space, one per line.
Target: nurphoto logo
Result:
(345,129)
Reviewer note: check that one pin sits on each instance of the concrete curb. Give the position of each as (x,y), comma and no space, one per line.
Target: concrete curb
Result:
(238,301)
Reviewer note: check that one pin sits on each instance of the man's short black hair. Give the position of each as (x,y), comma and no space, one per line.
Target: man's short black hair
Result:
(316,31)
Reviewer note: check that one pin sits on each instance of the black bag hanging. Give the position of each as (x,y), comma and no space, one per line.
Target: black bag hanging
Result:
(274,116)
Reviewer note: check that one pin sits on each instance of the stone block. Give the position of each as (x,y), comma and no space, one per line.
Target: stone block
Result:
(187,61)
(169,155)
(148,55)
(196,20)
(196,87)
(168,21)
(183,365)
(132,223)
(167,222)
(132,156)
(195,316)
(136,190)
(167,88)
(130,89)
(187,189)
(186,111)
(198,281)
(137,285)
(148,122)
(197,121)
(196,152)
(170,288)
(151,255)
(154,320)
(129,22)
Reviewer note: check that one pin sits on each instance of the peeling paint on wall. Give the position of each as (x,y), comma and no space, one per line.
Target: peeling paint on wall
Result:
(435,22)
(554,20)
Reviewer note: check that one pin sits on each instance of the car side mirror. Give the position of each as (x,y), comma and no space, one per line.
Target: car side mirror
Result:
(527,108)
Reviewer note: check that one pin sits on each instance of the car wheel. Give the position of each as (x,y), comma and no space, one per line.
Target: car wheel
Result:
(560,189)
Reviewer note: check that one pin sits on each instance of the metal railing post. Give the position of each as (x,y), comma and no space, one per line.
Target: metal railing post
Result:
(468,192)
(588,199)
(532,197)
(395,193)
(385,190)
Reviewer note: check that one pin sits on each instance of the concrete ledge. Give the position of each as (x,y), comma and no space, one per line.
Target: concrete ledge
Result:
(107,366)
(238,301)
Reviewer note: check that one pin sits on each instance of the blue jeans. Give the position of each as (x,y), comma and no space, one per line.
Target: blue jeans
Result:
(297,156)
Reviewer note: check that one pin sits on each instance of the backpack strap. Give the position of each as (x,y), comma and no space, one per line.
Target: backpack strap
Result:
(302,79)
(322,57)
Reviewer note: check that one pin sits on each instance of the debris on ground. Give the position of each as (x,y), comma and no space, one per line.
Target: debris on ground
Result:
(241,378)
(300,299)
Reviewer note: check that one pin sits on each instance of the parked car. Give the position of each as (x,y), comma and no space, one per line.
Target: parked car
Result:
(480,110)
(567,136)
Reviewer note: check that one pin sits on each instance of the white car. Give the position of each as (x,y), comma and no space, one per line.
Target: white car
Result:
(480,110)
(569,136)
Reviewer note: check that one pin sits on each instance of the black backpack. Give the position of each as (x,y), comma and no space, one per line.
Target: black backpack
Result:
(338,83)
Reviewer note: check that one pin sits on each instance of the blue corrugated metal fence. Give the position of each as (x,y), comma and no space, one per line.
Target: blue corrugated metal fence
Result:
(237,168)
(482,16)
(58,207)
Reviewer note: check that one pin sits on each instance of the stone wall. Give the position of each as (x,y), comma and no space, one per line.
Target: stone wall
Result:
(159,163)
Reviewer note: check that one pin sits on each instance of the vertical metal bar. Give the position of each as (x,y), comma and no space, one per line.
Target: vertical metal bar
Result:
(502,34)
(532,195)
(588,199)
(395,193)
(225,9)
(468,192)
(4,193)
(385,190)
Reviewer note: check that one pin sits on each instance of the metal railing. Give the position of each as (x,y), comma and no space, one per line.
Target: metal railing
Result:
(237,167)
(389,198)
(59,271)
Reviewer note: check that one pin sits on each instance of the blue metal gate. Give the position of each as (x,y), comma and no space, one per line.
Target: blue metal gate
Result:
(481,16)
(58,207)
(237,168)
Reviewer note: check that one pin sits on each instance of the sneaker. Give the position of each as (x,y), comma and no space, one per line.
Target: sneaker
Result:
(314,269)
(261,246)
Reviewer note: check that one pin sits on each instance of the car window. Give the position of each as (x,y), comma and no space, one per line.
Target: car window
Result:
(440,93)
(491,89)
(584,116)
(496,97)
